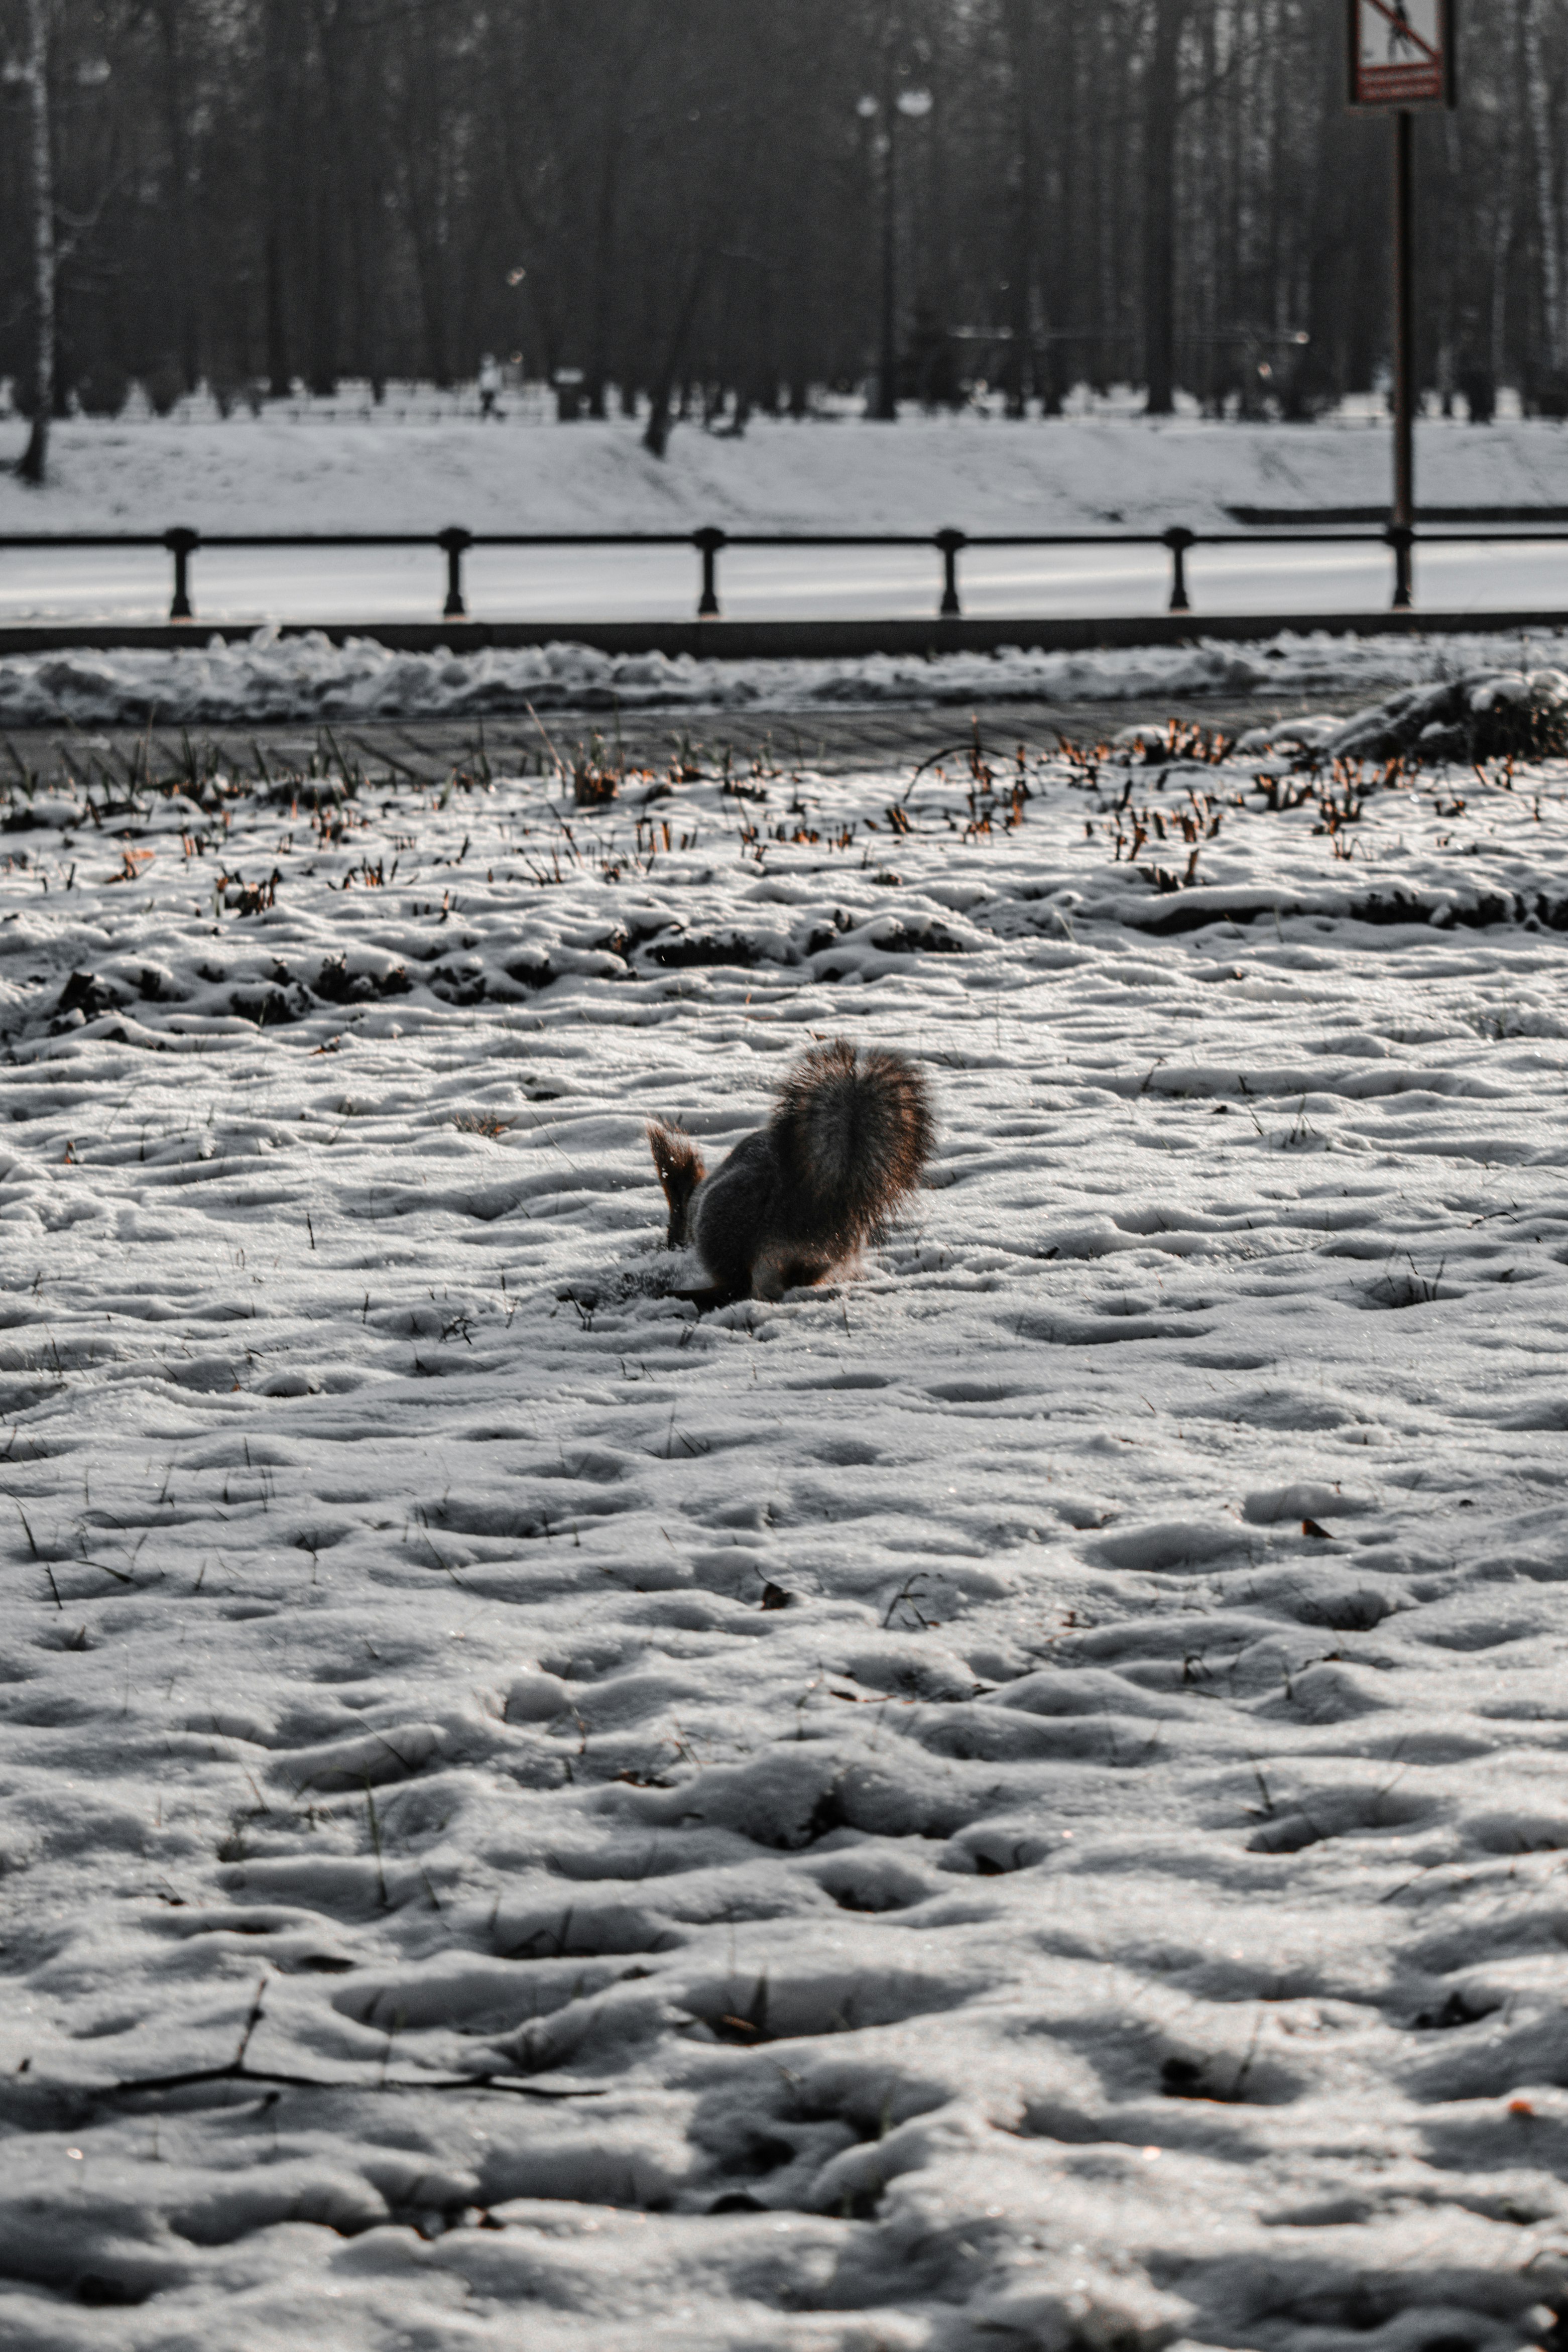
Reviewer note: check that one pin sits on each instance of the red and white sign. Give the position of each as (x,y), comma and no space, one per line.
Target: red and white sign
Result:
(1401,53)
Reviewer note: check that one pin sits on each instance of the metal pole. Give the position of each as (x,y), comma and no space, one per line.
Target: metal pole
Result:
(182,544)
(454,540)
(708,541)
(950,541)
(1403,517)
(1178,540)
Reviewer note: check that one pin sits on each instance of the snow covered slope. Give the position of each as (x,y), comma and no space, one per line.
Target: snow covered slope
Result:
(1016,1801)
(279,472)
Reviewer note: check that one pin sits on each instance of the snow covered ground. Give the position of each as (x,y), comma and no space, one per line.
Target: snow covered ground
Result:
(289,471)
(1015,1801)
(1083,473)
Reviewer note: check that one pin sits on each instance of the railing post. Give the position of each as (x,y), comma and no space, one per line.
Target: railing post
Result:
(181,545)
(1178,540)
(950,541)
(1402,539)
(454,540)
(708,541)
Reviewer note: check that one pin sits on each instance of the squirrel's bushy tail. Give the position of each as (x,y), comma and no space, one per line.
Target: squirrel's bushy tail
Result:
(854,1129)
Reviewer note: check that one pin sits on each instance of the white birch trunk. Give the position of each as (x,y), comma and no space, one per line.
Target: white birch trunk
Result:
(1547,229)
(34,465)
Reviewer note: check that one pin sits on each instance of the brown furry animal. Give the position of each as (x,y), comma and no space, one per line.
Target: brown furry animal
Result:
(848,1137)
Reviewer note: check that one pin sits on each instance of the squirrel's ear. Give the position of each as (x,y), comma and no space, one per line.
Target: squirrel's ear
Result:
(678,1165)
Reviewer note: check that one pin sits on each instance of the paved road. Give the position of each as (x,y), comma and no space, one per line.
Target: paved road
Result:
(835,740)
(659,584)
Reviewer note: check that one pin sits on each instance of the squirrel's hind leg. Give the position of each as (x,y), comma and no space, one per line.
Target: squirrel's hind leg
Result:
(775,1272)
(715,1294)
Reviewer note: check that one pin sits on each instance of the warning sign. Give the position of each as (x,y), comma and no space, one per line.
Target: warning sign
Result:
(1401,53)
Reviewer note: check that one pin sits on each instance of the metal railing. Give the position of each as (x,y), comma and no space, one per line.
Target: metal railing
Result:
(709,542)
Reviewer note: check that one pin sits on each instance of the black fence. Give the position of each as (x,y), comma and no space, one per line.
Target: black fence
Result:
(709,543)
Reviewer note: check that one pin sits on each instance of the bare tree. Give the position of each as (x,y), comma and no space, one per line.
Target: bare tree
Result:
(1547,229)
(1158,190)
(1161,104)
(34,464)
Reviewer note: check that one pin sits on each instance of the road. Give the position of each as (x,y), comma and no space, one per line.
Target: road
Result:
(831,741)
(340,585)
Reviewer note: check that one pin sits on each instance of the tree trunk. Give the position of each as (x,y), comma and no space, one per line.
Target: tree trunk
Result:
(1501,250)
(1206,306)
(180,176)
(1019,21)
(656,437)
(1159,206)
(366,259)
(279,45)
(35,461)
(1061,362)
(1547,227)
(604,265)
(333,208)
(1111,90)
(428,194)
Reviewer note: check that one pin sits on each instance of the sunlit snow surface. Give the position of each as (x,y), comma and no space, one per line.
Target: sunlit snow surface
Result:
(966,1866)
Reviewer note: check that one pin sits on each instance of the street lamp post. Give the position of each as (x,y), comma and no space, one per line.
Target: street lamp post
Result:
(912,104)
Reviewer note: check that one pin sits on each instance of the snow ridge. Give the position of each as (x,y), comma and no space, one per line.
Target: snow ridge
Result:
(267,678)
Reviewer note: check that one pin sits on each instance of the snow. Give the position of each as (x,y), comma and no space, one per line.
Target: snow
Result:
(297,469)
(1016,1799)
(268,678)
(291,471)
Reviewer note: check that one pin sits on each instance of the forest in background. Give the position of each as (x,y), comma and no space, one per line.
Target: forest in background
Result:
(689,198)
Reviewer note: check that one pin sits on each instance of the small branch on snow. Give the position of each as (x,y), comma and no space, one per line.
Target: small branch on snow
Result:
(235,2072)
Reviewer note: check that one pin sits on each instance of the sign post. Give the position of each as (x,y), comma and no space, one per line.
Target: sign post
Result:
(1402,60)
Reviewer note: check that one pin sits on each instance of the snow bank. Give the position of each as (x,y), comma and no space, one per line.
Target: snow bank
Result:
(270,677)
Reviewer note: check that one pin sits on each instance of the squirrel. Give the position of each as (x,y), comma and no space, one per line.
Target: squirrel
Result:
(846,1141)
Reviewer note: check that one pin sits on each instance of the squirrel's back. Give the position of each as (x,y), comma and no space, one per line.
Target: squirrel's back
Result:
(848,1136)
